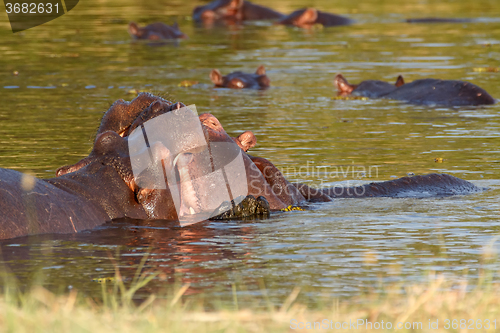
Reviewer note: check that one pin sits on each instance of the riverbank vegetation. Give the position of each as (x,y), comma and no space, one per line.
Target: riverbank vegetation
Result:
(438,305)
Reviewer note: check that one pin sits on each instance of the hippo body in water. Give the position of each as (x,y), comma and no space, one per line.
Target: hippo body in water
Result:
(73,202)
(233,11)
(423,92)
(241,80)
(307,17)
(102,187)
(155,31)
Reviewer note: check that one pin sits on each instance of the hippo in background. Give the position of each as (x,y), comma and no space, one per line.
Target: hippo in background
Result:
(233,11)
(432,92)
(307,17)
(155,31)
(241,80)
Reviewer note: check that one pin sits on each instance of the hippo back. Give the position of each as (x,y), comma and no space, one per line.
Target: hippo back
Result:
(441,92)
(373,89)
(331,20)
(33,206)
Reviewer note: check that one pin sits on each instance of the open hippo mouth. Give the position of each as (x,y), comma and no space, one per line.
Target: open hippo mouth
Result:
(179,162)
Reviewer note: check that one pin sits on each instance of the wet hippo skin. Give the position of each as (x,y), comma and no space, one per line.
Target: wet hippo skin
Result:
(424,92)
(73,202)
(101,187)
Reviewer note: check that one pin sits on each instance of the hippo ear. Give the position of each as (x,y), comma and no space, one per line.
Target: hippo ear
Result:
(133,29)
(308,17)
(216,77)
(261,70)
(342,85)
(246,140)
(400,81)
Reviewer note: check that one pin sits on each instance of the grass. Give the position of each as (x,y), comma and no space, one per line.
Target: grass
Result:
(437,305)
(39,310)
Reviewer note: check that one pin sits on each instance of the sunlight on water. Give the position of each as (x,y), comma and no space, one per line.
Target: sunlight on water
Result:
(72,69)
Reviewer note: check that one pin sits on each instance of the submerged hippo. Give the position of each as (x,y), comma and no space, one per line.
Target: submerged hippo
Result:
(102,186)
(307,17)
(233,11)
(240,80)
(155,31)
(424,91)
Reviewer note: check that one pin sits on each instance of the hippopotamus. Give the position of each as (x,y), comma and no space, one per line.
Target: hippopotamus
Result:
(233,11)
(241,80)
(307,17)
(433,92)
(102,187)
(155,31)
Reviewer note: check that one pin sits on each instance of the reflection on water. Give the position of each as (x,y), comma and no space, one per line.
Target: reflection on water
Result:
(71,70)
(194,254)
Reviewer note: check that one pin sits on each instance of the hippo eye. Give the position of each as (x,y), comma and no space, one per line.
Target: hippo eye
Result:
(211,123)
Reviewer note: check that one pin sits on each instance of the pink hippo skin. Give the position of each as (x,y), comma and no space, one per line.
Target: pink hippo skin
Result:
(431,92)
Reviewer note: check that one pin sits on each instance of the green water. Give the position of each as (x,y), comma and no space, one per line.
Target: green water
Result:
(73,68)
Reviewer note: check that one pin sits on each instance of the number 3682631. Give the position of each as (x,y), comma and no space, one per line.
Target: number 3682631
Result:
(32,8)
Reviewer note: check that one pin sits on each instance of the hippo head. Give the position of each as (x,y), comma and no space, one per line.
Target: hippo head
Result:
(240,80)
(155,31)
(302,18)
(245,140)
(368,88)
(219,10)
(170,181)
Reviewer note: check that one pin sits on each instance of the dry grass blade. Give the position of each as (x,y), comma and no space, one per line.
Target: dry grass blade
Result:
(179,294)
(290,299)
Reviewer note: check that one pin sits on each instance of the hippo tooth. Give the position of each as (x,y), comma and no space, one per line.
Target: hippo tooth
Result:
(191,211)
